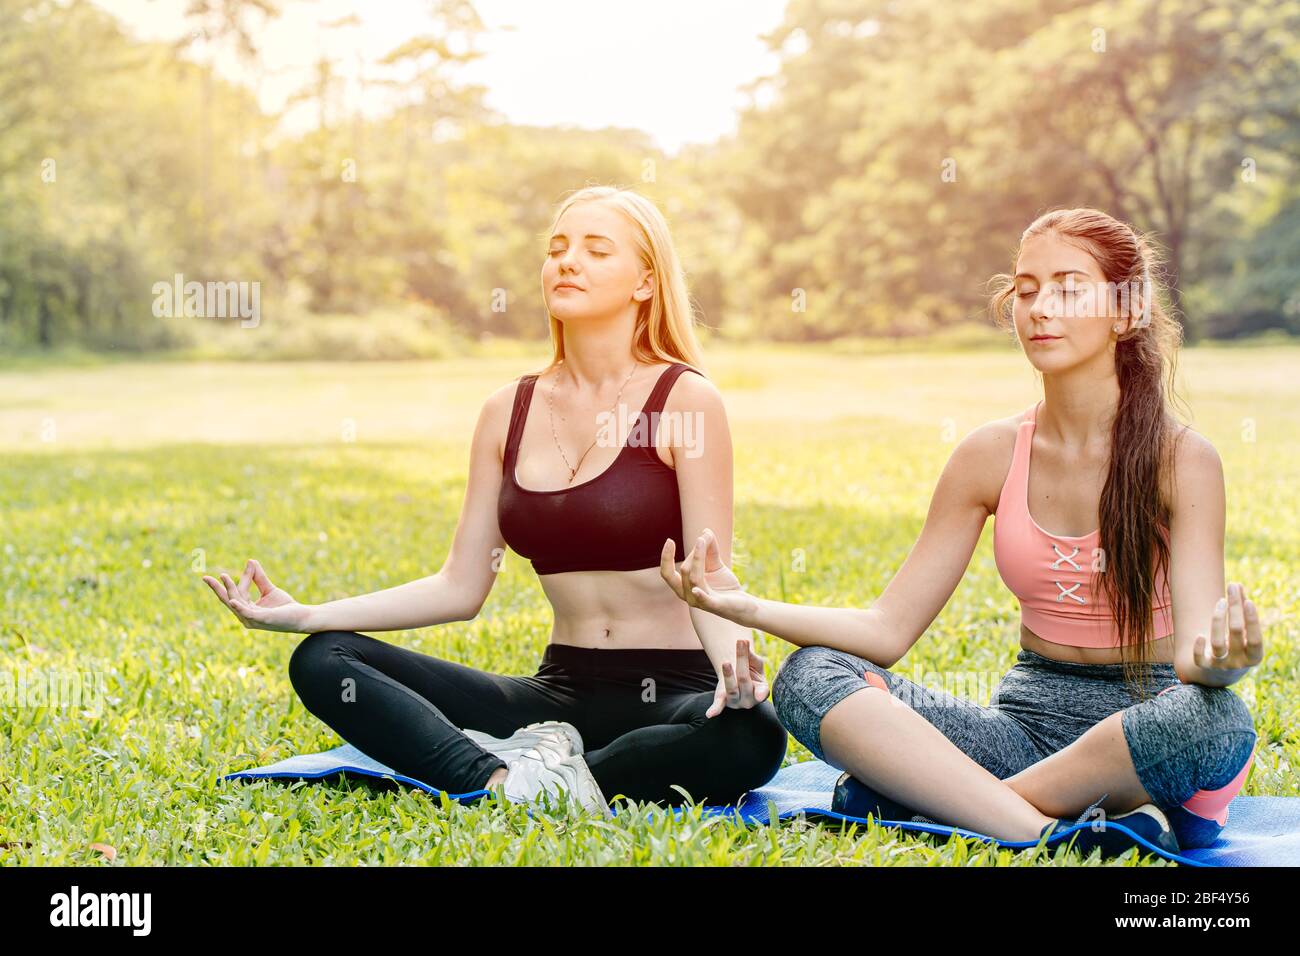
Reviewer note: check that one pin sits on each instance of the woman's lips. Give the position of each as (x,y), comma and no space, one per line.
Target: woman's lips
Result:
(1044,338)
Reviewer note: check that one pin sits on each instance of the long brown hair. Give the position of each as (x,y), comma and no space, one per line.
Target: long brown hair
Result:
(1133,509)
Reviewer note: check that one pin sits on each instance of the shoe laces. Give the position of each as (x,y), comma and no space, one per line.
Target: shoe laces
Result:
(1086,815)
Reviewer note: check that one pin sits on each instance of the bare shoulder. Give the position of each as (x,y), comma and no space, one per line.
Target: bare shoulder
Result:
(693,391)
(1193,451)
(494,416)
(502,397)
(981,460)
(692,408)
(499,403)
(1197,470)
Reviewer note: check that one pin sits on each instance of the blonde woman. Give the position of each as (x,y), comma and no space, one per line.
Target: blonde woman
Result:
(637,693)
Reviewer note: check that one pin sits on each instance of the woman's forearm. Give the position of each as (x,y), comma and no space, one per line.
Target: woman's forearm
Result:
(860,631)
(421,603)
(718,636)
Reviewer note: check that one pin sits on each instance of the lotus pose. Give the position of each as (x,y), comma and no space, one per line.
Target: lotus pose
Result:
(1109,529)
(637,695)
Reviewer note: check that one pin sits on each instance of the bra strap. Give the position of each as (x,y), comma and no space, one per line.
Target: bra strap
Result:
(659,394)
(1016,483)
(518,416)
(654,406)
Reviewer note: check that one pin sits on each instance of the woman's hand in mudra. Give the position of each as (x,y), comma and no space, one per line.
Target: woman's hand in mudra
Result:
(1236,642)
(703,581)
(743,684)
(274,610)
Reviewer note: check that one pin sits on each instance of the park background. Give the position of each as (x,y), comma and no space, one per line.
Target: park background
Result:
(838,236)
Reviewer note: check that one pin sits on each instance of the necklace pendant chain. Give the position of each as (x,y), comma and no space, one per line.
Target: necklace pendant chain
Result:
(550,402)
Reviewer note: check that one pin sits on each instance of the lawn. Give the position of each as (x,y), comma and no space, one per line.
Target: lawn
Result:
(122,483)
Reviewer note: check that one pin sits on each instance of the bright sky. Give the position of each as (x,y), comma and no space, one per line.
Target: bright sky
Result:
(672,68)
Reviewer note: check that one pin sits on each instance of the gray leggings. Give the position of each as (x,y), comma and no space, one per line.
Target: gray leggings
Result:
(1187,740)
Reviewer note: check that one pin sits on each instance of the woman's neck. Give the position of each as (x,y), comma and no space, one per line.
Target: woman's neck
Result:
(1079,405)
(600,353)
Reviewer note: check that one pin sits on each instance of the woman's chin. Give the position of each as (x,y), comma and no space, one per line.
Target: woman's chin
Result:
(1051,364)
(571,313)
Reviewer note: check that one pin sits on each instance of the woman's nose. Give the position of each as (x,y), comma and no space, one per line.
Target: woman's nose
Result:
(1036,310)
(1042,305)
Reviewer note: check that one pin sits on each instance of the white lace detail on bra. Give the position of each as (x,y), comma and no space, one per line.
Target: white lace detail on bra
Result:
(1061,556)
(1069,592)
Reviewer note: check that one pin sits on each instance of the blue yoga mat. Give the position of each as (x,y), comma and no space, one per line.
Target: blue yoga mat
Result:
(1261,831)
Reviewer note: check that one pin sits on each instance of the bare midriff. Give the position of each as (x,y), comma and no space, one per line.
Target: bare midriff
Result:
(618,609)
(1161,651)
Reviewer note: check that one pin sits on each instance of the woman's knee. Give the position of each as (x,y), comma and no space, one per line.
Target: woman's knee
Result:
(1190,738)
(752,739)
(769,735)
(316,658)
(1220,718)
(1227,714)
(811,681)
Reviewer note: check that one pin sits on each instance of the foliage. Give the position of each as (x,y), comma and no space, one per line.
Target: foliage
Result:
(878,179)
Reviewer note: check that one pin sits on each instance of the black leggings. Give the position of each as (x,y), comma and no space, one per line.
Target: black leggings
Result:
(640,712)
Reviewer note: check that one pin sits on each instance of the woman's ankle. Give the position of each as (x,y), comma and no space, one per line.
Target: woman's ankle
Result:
(1041,824)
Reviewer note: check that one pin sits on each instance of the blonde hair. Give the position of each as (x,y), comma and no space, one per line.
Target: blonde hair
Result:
(665,323)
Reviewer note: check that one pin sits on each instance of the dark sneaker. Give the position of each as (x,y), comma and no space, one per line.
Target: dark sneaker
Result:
(853,798)
(1115,834)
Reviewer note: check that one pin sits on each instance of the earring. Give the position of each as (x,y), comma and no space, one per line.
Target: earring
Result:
(1114,328)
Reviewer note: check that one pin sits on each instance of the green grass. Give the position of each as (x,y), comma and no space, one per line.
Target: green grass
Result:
(121,483)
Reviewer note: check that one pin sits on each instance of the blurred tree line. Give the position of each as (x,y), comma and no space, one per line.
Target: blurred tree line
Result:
(878,179)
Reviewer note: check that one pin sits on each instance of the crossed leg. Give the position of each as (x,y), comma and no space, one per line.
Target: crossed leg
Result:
(1097,762)
(910,760)
(939,754)
(1187,750)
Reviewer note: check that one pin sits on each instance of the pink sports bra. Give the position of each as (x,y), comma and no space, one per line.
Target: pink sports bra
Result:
(1051,574)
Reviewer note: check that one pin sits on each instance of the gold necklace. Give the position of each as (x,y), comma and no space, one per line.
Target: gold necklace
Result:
(550,404)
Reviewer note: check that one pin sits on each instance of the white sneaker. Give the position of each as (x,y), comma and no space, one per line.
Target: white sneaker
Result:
(536,770)
(555,735)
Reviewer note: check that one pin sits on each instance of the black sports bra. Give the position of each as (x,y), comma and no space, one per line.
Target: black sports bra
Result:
(617,521)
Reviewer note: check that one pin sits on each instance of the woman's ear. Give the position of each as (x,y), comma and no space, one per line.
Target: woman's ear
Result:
(646,288)
(1139,310)
(1134,312)
(1140,316)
